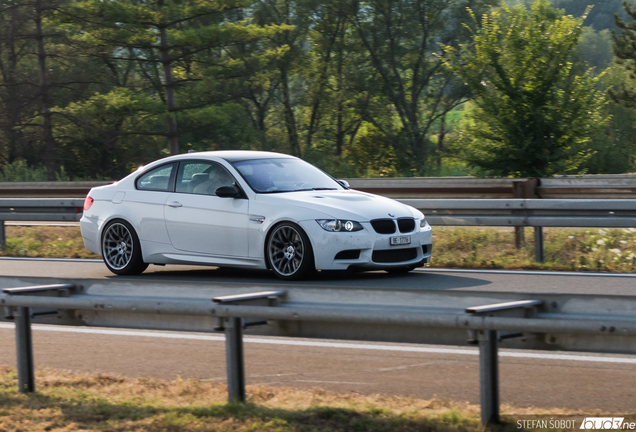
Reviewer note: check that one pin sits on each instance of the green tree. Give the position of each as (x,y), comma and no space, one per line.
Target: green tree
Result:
(178,48)
(18,78)
(534,113)
(625,51)
(29,37)
(601,17)
(410,84)
(596,48)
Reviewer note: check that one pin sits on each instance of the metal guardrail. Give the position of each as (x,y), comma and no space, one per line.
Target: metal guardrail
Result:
(38,209)
(488,319)
(590,187)
(527,212)
(63,189)
(535,213)
(41,209)
(617,186)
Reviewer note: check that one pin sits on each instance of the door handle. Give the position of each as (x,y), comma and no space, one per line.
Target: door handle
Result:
(175,204)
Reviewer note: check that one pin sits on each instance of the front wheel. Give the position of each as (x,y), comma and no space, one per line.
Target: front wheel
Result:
(289,253)
(121,249)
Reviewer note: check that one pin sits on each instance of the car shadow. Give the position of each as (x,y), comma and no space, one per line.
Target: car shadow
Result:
(371,279)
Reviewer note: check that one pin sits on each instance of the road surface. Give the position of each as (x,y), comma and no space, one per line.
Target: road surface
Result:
(588,382)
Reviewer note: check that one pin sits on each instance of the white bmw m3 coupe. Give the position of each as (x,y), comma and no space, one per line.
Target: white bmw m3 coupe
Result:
(253,210)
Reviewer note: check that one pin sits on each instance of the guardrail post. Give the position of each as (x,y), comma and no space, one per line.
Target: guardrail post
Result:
(518,192)
(520,238)
(233,327)
(488,356)
(24,350)
(538,244)
(523,189)
(3,236)
(23,339)
(489,377)
(234,360)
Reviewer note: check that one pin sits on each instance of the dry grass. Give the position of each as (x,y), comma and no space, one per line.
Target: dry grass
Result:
(568,249)
(45,241)
(69,402)
(590,249)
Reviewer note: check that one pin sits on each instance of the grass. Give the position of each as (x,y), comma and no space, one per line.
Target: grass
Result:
(69,402)
(45,241)
(592,249)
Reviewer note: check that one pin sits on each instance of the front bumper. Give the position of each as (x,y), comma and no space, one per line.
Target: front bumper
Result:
(375,250)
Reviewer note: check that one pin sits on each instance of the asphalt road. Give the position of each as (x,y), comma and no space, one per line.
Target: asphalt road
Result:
(585,382)
(430,279)
(546,382)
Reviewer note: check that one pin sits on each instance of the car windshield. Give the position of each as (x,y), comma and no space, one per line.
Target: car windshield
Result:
(284,175)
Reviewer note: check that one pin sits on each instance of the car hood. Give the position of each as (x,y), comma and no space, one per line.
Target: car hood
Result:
(342,204)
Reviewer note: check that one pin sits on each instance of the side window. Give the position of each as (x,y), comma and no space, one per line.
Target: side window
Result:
(156,180)
(203,178)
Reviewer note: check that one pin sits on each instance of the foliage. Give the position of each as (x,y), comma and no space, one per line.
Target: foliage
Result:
(625,51)
(178,51)
(596,48)
(600,17)
(356,87)
(614,147)
(534,113)
(405,69)
(18,171)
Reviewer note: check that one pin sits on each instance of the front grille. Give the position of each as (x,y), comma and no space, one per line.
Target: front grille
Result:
(406,225)
(348,254)
(383,226)
(394,255)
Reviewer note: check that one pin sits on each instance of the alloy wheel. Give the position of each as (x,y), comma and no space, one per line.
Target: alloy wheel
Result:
(117,246)
(286,250)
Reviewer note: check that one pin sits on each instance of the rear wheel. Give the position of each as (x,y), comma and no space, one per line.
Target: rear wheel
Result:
(289,253)
(121,249)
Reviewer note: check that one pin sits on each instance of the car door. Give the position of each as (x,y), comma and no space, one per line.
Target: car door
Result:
(147,201)
(198,221)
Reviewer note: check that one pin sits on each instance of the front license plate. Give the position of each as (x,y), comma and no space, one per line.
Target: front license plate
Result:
(401,240)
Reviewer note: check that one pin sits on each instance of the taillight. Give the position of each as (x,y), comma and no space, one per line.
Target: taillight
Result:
(88,202)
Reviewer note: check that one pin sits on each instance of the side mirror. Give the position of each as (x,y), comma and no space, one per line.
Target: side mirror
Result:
(344,184)
(228,192)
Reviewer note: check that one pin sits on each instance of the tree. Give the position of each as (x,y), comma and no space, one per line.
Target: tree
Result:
(601,17)
(596,48)
(178,47)
(17,81)
(25,38)
(625,51)
(534,112)
(401,39)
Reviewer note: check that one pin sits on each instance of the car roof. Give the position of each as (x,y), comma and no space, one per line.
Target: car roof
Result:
(236,155)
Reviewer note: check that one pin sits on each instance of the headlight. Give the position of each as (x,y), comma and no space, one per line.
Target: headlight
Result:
(423,222)
(337,225)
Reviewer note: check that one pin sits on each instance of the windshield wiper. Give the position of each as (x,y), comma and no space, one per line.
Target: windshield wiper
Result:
(311,189)
(299,190)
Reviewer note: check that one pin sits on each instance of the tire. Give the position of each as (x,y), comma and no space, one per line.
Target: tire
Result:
(288,252)
(121,249)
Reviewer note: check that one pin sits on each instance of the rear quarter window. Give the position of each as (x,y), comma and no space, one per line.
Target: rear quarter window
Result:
(158,179)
